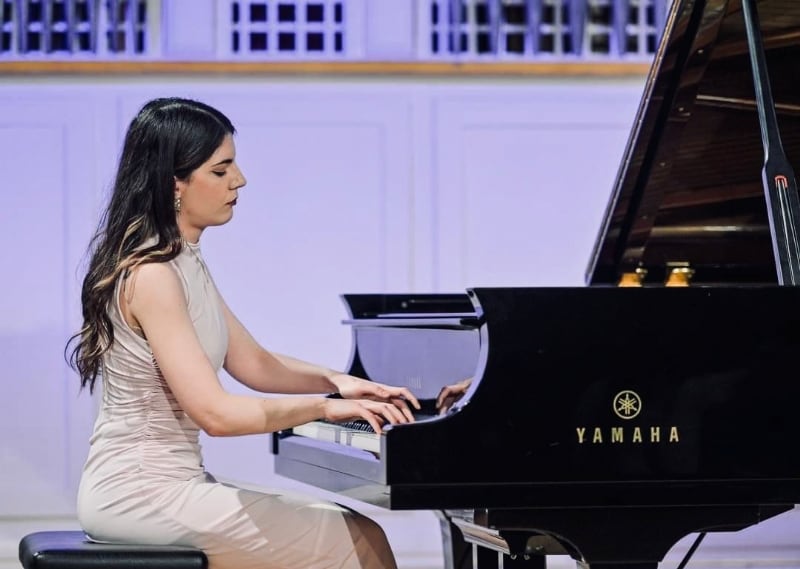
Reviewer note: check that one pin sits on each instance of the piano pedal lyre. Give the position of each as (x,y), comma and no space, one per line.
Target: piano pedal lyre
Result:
(634,278)
(679,274)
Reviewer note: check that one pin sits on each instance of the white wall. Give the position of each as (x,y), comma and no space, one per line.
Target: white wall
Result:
(354,186)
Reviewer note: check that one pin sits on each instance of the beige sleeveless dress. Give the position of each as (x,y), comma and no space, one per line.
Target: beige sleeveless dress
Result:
(144,481)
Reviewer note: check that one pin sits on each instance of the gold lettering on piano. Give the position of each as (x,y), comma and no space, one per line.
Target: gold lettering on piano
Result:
(627,405)
(618,435)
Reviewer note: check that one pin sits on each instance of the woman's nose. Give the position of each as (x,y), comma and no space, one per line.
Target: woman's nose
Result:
(239,180)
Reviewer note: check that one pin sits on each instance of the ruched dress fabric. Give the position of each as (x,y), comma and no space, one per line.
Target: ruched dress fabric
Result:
(144,480)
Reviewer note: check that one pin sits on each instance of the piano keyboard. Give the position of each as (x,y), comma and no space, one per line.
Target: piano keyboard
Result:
(355,434)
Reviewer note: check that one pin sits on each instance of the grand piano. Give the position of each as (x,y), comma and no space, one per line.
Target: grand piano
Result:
(607,422)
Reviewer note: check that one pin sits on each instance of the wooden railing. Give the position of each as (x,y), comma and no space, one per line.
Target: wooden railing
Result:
(341,68)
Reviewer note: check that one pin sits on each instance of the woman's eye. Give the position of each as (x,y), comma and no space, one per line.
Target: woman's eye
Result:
(218,174)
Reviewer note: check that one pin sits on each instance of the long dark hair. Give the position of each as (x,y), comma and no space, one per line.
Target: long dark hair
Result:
(169,138)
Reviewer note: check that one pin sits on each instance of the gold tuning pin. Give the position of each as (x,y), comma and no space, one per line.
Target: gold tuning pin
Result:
(633,278)
(679,274)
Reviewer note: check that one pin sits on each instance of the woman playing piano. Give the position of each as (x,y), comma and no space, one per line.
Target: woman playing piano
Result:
(157,331)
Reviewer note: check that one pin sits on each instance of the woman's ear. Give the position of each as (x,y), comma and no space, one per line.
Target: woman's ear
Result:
(180,186)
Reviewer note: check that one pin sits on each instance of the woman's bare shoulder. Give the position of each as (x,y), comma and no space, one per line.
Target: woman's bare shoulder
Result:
(153,281)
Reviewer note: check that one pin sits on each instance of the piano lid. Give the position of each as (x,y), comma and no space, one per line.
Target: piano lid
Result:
(689,189)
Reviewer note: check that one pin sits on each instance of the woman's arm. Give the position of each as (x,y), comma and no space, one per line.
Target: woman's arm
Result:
(268,372)
(158,305)
(249,363)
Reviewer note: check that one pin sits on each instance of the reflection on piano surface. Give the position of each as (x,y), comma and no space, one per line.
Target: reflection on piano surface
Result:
(607,422)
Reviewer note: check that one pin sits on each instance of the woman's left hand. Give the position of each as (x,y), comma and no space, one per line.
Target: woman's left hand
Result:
(351,387)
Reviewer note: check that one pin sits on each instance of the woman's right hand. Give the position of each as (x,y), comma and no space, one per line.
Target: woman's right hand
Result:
(450,394)
(376,413)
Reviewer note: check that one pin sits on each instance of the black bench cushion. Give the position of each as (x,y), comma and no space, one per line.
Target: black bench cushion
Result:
(72,550)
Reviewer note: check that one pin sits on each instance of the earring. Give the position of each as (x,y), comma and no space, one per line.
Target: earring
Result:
(177,204)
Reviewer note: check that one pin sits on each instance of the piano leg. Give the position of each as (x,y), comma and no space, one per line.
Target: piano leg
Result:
(457,552)
(485,558)
(460,553)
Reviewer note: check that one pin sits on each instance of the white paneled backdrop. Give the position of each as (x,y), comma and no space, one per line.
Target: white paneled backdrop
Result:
(368,185)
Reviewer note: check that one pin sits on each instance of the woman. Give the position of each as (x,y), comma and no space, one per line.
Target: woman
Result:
(156,330)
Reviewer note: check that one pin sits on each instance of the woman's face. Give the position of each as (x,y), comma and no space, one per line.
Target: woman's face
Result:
(208,195)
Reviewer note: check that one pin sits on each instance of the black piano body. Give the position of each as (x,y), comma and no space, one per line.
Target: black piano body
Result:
(609,421)
(618,420)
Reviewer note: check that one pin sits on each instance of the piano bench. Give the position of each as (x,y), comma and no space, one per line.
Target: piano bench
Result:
(72,550)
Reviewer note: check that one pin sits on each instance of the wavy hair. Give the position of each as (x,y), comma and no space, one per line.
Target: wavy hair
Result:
(167,140)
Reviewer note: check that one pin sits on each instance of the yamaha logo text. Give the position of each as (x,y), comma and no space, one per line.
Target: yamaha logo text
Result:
(626,406)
